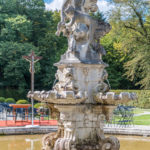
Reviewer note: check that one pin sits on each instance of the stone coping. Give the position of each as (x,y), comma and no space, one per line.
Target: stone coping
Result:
(27,130)
(133,130)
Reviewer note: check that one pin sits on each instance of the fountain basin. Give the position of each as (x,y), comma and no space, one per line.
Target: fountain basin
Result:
(110,98)
(65,97)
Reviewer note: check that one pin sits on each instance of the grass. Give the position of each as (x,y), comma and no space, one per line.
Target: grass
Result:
(142,120)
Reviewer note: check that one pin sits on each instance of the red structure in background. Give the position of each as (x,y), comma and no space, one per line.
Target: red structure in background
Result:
(26,121)
(24,106)
(10,123)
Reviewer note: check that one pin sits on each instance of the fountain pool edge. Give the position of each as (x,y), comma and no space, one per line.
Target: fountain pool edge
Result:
(120,130)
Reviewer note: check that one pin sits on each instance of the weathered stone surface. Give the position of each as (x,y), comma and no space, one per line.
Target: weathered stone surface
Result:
(66,97)
(25,130)
(83,32)
(81,93)
(110,98)
(135,130)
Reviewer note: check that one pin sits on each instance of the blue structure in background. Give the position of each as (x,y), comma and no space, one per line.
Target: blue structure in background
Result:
(123,115)
(6,112)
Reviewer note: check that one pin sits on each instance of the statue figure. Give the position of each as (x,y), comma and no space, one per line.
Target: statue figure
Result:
(49,140)
(90,6)
(80,5)
(78,17)
(77,4)
(83,31)
(64,6)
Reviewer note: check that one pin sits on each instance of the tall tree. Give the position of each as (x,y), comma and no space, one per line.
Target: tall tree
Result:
(133,16)
(26,26)
(116,58)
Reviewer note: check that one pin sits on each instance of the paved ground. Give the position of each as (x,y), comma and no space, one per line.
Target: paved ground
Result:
(141,114)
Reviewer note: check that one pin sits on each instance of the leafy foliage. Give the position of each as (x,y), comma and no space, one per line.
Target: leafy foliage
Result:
(10,100)
(98,15)
(136,24)
(22,102)
(38,105)
(26,26)
(116,58)
(11,67)
(2,99)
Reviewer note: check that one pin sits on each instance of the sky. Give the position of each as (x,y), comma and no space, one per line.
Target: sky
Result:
(103,5)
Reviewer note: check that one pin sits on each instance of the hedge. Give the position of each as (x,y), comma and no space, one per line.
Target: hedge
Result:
(37,105)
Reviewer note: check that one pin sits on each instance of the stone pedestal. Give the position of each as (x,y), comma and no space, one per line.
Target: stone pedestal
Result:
(82,103)
(83,128)
(81,78)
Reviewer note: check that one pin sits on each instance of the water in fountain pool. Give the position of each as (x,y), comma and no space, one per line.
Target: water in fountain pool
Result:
(33,142)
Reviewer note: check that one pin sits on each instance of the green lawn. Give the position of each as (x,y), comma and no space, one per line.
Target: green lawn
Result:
(142,120)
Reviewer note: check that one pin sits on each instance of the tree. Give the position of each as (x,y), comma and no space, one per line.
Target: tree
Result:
(14,70)
(26,26)
(51,48)
(116,58)
(136,23)
(98,15)
(16,28)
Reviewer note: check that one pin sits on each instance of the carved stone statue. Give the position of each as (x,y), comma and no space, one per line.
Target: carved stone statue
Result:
(83,32)
(80,98)
(81,5)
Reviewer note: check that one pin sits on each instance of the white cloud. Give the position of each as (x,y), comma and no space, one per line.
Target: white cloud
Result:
(56,4)
(103,5)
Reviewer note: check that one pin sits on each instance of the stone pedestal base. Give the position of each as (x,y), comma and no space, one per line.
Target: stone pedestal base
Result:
(81,128)
(110,143)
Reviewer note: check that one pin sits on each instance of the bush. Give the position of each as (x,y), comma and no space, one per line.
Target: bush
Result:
(10,100)
(2,99)
(37,105)
(22,102)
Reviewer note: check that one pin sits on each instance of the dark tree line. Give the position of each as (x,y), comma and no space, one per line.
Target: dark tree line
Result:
(26,26)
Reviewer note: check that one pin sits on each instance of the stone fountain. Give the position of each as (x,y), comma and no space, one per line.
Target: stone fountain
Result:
(81,98)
